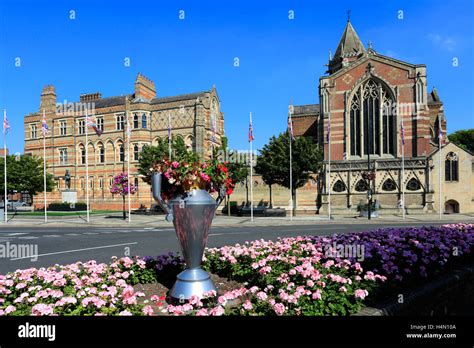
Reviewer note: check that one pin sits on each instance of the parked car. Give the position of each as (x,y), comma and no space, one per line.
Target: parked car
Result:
(13,205)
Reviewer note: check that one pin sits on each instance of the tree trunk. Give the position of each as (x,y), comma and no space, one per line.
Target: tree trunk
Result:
(271,196)
(293,195)
(123,208)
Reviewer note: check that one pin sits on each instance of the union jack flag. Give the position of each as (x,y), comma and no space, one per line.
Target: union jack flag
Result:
(44,125)
(169,128)
(328,135)
(290,128)
(402,133)
(250,129)
(6,125)
(90,122)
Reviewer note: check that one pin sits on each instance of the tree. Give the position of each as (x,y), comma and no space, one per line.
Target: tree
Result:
(463,138)
(238,172)
(274,162)
(154,154)
(121,186)
(25,174)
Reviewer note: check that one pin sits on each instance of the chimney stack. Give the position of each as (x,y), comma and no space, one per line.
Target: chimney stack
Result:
(90,97)
(144,87)
(48,99)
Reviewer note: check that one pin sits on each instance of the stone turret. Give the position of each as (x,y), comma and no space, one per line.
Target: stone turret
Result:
(48,99)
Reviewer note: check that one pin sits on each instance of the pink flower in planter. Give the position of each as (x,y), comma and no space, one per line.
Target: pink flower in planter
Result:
(175,164)
(125,313)
(342,289)
(262,296)
(360,293)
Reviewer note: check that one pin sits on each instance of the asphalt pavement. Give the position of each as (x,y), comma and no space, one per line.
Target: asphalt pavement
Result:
(42,246)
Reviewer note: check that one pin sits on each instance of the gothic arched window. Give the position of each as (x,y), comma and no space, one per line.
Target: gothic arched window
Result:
(361,186)
(389,185)
(451,167)
(144,123)
(372,124)
(135,121)
(413,185)
(339,186)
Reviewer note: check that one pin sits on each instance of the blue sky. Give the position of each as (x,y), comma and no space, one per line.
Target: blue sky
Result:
(279,58)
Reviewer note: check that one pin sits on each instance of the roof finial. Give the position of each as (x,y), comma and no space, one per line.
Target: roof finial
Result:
(370,45)
(348,15)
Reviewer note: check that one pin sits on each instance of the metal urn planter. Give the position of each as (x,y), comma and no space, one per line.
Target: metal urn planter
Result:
(192,217)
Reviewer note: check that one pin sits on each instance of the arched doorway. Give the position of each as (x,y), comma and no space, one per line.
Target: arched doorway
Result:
(451,207)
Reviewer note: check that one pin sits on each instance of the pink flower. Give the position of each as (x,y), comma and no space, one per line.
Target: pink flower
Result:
(217,311)
(360,293)
(147,310)
(125,313)
(316,295)
(10,309)
(247,305)
(42,309)
(310,283)
(279,308)
(202,312)
(342,289)
(175,164)
(205,177)
(262,296)
(210,293)
(195,301)
(222,300)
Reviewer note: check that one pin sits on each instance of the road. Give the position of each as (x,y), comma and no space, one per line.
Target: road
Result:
(63,245)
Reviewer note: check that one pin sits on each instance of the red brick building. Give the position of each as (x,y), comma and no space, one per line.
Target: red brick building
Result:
(366,97)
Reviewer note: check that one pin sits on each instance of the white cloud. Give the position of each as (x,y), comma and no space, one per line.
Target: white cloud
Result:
(444,42)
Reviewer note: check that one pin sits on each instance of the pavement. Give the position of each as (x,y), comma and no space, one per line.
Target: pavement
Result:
(115,219)
(38,244)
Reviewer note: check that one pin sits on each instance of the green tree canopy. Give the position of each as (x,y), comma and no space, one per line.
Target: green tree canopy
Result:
(25,174)
(464,139)
(152,154)
(274,161)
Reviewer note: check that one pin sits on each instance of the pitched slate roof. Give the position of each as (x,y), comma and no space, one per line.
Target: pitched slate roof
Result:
(308,109)
(350,44)
(178,97)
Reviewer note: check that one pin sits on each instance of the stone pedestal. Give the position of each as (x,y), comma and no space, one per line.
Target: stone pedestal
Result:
(69,196)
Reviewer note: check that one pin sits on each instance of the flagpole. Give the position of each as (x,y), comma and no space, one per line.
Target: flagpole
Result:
(169,136)
(5,163)
(440,137)
(251,172)
(403,171)
(44,168)
(291,169)
(329,165)
(129,133)
(87,169)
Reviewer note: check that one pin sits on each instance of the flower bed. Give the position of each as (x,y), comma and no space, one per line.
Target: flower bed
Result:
(290,276)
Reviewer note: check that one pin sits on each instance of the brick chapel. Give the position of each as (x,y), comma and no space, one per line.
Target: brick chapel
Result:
(365,98)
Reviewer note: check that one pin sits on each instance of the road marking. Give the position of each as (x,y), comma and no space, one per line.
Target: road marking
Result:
(313,229)
(16,234)
(77,250)
(72,234)
(225,234)
(31,237)
(52,235)
(90,233)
